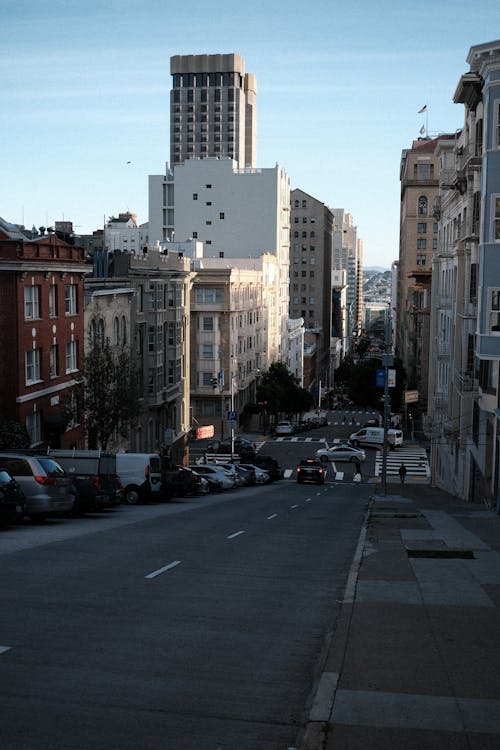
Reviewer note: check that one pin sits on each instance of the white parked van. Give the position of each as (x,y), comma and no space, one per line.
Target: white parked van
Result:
(375,436)
(140,475)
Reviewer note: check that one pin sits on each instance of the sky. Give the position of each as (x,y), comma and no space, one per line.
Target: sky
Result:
(84,113)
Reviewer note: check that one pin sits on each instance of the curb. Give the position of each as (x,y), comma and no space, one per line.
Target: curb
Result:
(317,727)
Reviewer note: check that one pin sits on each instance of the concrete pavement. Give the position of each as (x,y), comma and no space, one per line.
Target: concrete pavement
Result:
(414,661)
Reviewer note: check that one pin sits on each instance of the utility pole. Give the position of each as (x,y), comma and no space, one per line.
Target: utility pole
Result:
(387,361)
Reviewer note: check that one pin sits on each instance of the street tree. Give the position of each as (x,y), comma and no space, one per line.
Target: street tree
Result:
(280,390)
(111,395)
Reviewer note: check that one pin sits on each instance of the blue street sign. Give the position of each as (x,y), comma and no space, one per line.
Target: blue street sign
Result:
(231,415)
(380,378)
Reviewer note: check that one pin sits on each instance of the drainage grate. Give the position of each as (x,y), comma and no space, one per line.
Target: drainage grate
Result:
(461,554)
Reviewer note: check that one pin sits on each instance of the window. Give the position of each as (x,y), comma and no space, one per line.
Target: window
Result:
(473,283)
(100,333)
(54,354)
(208,186)
(496,219)
(208,324)
(92,334)
(31,302)
(71,357)
(422,206)
(116,332)
(424,171)
(421,244)
(194,235)
(195,196)
(221,215)
(32,366)
(494,297)
(123,331)
(34,427)
(70,299)
(207,351)
(421,260)
(53,301)
(422,227)
(206,378)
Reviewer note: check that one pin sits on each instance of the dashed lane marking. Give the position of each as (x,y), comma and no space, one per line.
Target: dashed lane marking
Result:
(236,533)
(3,649)
(163,570)
(274,515)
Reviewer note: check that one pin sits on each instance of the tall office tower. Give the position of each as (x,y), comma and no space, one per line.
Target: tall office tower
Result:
(212,109)
(346,257)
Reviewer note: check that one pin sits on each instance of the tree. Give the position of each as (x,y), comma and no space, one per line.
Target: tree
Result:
(111,394)
(279,389)
(13,435)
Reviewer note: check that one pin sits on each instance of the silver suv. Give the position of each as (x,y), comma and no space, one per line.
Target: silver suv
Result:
(46,486)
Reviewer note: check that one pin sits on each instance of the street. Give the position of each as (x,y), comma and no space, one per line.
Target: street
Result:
(197,624)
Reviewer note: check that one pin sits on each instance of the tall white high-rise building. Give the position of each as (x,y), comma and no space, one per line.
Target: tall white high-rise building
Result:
(212,109)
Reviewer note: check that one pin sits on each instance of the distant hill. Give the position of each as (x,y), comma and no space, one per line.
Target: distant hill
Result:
(374,269)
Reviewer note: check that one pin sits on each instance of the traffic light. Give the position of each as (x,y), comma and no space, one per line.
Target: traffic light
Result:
(214,383)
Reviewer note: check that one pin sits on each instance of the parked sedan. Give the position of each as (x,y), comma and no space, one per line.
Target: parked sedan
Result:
(216,472)
(341,453)
(284,428)
(311,470)
(260,475)
(46,486)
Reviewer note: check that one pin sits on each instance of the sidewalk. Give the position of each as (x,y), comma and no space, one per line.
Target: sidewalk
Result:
(414,660)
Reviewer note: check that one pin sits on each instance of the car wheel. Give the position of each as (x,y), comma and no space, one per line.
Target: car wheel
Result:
(132,495)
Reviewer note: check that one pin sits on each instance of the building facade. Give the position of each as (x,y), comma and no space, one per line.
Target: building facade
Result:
(212,109)
(463,411)
(311,243)
(41,335)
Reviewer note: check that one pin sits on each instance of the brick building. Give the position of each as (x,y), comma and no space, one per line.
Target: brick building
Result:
(41,333)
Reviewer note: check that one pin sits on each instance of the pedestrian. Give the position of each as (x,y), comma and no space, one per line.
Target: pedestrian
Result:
(402,473)
(343,419)
(357,470)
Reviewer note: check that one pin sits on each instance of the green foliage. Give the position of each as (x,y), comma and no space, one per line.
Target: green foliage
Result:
(111,394)
(360,380)
(279,389)
(13,435)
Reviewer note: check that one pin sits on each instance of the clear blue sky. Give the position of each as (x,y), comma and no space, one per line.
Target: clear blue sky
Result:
(85,89)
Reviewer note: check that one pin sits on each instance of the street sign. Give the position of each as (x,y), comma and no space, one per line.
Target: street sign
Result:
(380,378)
(231,416)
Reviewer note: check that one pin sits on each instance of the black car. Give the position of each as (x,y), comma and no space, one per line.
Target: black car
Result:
(11,499)
(242,446)
(180,481)
(94,476)
(268,464)
(311,470)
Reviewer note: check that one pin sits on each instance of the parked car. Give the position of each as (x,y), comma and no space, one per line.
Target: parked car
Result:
(11,499)
(341,453)
(259,475)
(179,481)
(243,447)
(214,482)
(311,470)
(284,428)
(94,478)
(46,486)
(217,472)
(232,470)
(140,475)
(269,465)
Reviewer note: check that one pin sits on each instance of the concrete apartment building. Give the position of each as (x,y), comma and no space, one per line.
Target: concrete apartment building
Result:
(465,322)
(417,242)
(236,213)
(347,256)
(311,246)
(41,334)
(228,340)
(212,109)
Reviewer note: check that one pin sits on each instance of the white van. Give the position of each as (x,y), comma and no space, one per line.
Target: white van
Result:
(375,436)
(140,475)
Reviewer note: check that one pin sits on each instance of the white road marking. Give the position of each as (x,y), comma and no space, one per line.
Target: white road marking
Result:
(339,475)
(308,499)
(275,515)
(294,506)
(162,570)
(3,649)
(237,533)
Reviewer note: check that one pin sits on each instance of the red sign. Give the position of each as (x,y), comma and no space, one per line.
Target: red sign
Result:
(205,432)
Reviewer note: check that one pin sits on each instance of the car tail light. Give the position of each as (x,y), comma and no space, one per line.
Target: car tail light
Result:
(95,483)
(320,470)
(147,472)
(298,469)
(47,481)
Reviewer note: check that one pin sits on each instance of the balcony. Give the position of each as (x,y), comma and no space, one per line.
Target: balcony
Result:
(469,155)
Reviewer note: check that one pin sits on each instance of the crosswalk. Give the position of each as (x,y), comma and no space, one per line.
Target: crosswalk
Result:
(414,458)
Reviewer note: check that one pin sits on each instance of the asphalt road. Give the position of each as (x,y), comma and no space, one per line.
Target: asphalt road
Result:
(197,625)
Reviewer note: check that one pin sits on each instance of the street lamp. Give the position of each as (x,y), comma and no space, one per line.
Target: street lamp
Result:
(232,414)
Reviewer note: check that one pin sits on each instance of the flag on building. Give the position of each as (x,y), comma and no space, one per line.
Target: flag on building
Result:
(424,109)
(422,130)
